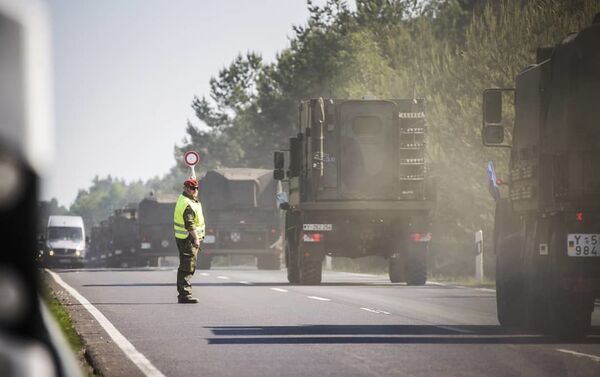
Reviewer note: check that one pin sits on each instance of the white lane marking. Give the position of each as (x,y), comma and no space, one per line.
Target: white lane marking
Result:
(134,355)
(578,354)
(223,277)
(280,289)
(319,298)
(455,329)
(376,311)
(356,274)
(245,282)
(204,274)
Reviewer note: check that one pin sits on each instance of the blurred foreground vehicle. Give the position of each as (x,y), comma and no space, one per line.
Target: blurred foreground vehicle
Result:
(547,231)
(357,186)
(65,242)
(30,342)
(241,216)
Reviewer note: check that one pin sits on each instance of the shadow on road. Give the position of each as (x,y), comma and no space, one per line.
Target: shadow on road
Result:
(274,284)
(383,334)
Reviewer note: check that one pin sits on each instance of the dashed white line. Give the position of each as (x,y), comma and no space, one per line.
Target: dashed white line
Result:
(223,277)
(319,298)
(280,289)
(204,274)
(133,354)
(579,354)
(376,311)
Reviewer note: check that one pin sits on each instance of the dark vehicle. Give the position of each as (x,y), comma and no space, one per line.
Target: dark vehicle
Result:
(156,235)
(241,216)
(123,243)
(547,231)
(357,187)
(97,246)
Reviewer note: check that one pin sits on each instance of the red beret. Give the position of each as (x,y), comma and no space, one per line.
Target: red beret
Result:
(191,183)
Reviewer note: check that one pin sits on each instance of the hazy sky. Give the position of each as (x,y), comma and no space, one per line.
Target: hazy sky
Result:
(125,73)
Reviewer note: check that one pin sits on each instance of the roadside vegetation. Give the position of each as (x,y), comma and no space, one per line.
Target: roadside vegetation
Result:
(62,317)
(446,51)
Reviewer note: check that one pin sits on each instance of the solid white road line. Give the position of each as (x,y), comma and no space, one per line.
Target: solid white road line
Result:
(204,274)
(223,277)
(280,289)
(578,354)
(134,355)
(319,298)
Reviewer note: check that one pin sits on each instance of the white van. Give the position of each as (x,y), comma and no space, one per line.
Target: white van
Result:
(65,242)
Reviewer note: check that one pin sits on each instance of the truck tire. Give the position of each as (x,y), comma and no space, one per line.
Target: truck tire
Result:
(311,272)
(268,262)
(291,261)
(416,270)
(571,316)
(204,262)
(510,287)
(396,270)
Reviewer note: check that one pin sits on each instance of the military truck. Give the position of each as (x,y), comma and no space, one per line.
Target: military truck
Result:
(241,216)
(547,229)
(124,243)
(357,186)
(156,237)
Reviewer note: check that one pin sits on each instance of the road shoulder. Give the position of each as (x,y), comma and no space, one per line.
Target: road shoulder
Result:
(102,353)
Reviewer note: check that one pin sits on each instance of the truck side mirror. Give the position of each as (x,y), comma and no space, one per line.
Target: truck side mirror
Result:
(493,134)
(278,160)
(278,174)
(492,106)
(492,131)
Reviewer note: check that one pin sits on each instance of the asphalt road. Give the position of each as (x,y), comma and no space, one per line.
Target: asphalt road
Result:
(252,323)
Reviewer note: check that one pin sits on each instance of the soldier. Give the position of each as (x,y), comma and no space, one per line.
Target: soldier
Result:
(189,232)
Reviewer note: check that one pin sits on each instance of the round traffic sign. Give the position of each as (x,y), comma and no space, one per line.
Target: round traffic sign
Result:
(191,158)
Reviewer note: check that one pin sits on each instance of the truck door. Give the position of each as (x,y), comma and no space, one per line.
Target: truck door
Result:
(367,163)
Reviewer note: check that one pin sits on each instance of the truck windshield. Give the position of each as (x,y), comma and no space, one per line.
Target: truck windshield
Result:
(64,233)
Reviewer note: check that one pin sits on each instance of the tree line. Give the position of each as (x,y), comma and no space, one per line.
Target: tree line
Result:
(446,51)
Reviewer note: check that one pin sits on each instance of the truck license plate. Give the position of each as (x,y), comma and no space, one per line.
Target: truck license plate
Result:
(583,245)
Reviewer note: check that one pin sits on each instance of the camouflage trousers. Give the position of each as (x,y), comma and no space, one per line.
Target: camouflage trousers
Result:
(188,255)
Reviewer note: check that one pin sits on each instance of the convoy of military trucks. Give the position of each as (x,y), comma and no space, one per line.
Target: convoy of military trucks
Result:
(356,184)
(547,229)
(240,214)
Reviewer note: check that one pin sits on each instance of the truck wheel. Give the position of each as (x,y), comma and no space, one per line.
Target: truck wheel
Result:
(204,262)
(268,262)
(572,316)
(291,261)
(416,266)
(510,287)
(311,272)
(396,270)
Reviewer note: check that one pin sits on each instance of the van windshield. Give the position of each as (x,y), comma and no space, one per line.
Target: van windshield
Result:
(64,233)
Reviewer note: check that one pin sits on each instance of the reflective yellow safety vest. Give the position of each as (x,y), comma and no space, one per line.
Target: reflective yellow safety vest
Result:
(178,221)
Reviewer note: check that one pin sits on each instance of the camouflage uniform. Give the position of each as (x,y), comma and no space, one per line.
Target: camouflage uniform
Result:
(188,255)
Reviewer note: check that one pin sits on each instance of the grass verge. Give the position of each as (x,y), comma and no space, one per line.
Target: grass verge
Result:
(62,317)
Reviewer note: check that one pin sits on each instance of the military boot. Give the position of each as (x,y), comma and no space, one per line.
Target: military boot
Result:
(187,300)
